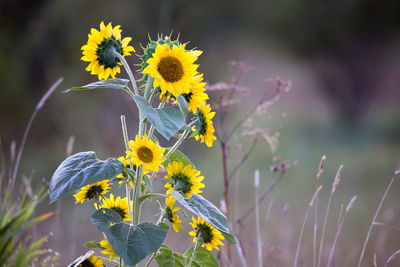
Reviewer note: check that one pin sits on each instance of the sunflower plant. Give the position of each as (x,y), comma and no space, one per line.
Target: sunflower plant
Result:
(172,101)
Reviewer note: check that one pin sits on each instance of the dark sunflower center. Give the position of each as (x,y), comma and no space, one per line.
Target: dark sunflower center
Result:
(105,52)
(204,232)
(94,191)
(203,123)
(145,154)
(188,96)
(86,263)
(120,211)
(169,213)
(182,183)
(170,68)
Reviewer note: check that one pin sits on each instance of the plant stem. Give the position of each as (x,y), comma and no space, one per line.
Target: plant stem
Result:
(127,188)
(196,246)
(177,144)
(128,70)
(107,259)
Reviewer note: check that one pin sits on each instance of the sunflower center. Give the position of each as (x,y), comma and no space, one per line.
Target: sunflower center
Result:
(86,263)
(94,191)
(204,232)
(203,123)
(170,214)
(105,52)
(120,211)
(182,183)
(145,154)
(170,68)
(188,96)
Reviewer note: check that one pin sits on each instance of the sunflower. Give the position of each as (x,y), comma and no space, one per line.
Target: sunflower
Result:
(100,49)
(187,179)
(92,261)
(145,152)
(171,215)
(209,236)
(206,128)
(119,205)
(92,191)
(108,249)
(173,68)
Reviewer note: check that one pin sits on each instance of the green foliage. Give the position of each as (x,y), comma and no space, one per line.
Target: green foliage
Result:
(92,244)
(79,170)
(206,210)
(134,242)
(165,257)
(178,156)
(102,219)
(111,83)
(167,121)
(183,105)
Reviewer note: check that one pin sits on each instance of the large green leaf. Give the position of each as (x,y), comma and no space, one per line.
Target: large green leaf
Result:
(165,257)
(103,217)
(203,257)
(206,210)
(111,83)
(134,242)
(79,170)
(167,121)
(178,156)
(183,105)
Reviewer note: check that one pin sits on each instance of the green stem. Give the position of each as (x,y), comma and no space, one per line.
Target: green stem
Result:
(128,70)
(142,198)
(194,252)
(177,144)
(147,90)
(107,259)
(127,188)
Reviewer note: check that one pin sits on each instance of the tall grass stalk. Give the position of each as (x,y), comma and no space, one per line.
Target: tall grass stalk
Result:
(257,215)
(315,230)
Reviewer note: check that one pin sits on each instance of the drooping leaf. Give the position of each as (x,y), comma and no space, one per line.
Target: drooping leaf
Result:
(92,244)
(79,260)
(165,257)
(111,83)
(103,217)
(206,210)
(134,242)
(203,257)
(167,121)
(183,105)
(165,226)
(79,170)
(178,156)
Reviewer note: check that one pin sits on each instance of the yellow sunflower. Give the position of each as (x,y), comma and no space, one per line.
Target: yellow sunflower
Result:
(92,191)
(187,179)
(100,49)
(119,205)
(209,236)
(171,215)
(92,261)
(145,152)
(108,249)
(206,131)
(173,68)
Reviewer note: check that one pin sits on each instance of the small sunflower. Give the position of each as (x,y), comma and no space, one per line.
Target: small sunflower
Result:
(206,129)
(99,50)
(187,179)
(209,236)
(171,215)
(145,152)
(108,249)
(92,191)
(119,205)
(92,261)
(173,68)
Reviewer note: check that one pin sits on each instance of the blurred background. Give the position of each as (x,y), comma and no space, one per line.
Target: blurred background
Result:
(342,57)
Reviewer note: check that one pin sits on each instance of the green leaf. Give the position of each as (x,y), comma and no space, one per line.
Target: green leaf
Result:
(203,257)
(147,183)
(79,170)
(183,105)
(165,257)
(206,210)
(167,121)
(178,156)
(165,226)
(92,244)
(111,83)
(103,217)
(230,238)
(79,260)
(134,242)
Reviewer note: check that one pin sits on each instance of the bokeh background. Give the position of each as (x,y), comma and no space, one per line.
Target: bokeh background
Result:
(342,57)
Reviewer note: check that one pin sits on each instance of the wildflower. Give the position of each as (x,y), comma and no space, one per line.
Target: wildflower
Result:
(100,50)
(108,249)
(171,215)
(92,261)
(206,234)
(119,205)
(206,128)
(187,179)
(145,152)
(173,68)
(92,191)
